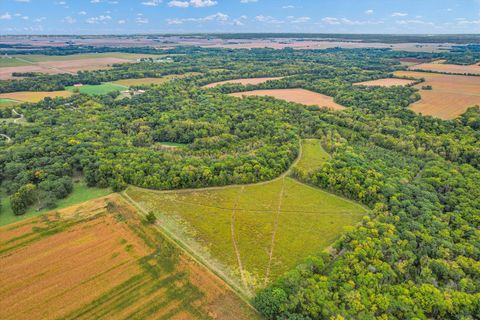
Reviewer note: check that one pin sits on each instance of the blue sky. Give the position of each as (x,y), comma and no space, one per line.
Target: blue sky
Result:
(162,16)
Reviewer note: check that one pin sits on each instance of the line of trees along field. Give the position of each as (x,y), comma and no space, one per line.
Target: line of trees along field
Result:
(416,256)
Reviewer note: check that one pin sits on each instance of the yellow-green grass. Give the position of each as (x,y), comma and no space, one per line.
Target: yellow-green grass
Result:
(299,220)
(5,102)
(313,156)
(100,89)
(31,96)
(80,194)
(11,62)
(153,81)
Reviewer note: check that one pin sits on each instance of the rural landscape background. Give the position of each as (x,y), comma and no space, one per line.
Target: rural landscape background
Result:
(165,160)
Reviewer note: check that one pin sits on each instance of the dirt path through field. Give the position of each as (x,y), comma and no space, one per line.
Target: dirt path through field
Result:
(234,241)
(274,232)
(6,137)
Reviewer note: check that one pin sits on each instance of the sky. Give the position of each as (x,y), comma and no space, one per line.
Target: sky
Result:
(184,16)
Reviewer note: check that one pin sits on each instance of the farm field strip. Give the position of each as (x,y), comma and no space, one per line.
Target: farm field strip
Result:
(243,81)
(439,66)
(301,96)
(451,95)
(388,82)
(99,260)
(152,81)
(268,224)
(34,96)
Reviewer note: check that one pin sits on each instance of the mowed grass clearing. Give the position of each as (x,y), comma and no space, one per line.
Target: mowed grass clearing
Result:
(100,89)
(98,260)
(31,96)
(80,193)
(5,102)
(301,96)
(451,95)
(152,81)
(254,233)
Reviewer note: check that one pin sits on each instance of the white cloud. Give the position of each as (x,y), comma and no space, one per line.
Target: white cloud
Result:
(98,19)
(152,3)
(5,16)
(69,20)
(299,19)
(330,20)
(17,15)
(82,13)
(248,1)
(24,1)
(219,17)
(25,17)
(288,7)
(192,3)
(141,20)
(267,19)
(40,19)
(345,21)
(369,12)
(94,1)
(122,21)
(399,14)
(410,22)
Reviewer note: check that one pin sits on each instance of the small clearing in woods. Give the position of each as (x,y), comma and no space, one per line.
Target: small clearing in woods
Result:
(254,233)
(32,96)
(301,96)
(388,82)
(244,81)
(98,260)
(451,95)
(439,66)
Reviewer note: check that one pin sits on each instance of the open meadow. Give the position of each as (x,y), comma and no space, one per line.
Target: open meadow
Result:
(257,232)
(103,88)
(451,95)
(301,96)
(98,260)
(153,81)
(245,81)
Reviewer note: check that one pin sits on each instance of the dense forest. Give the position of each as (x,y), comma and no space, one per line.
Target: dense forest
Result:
(415,257)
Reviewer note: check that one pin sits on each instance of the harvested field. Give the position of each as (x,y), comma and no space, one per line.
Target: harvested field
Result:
(97,260)
(389,82)
(302,96)
(451,95)
(64,64)
(439,66)
(152,81)
(254,233)
(31,96)
(244,81)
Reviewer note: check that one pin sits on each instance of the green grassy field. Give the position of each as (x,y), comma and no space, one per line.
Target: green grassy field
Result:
(256,232)
(80,194)
(313,155)
(12,62)
(4,103)
(103,88)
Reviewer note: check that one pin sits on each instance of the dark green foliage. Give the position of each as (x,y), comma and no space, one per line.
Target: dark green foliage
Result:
(151,218)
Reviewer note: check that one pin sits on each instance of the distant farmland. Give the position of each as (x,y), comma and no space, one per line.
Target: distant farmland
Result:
(451,95)
(244,81)
(97,260)
(301,96)
(153,81)
(257,232)
(447,68)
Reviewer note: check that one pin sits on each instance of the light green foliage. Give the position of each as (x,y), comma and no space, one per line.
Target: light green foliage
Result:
(97,89)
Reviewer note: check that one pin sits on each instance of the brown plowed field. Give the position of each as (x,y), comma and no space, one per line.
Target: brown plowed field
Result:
(98,260)
(302,96)
(245,81)
(451,95)
(447,68)
(389,82)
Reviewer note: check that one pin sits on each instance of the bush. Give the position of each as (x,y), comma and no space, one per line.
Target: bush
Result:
(151,218)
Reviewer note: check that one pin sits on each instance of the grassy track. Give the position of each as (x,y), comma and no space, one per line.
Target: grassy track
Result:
(255,232)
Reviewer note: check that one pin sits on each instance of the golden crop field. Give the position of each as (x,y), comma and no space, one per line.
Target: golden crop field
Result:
(244,81)
(302,96)
(98,260)
(451,95)
(439,66)
(32,96)
(389,82)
